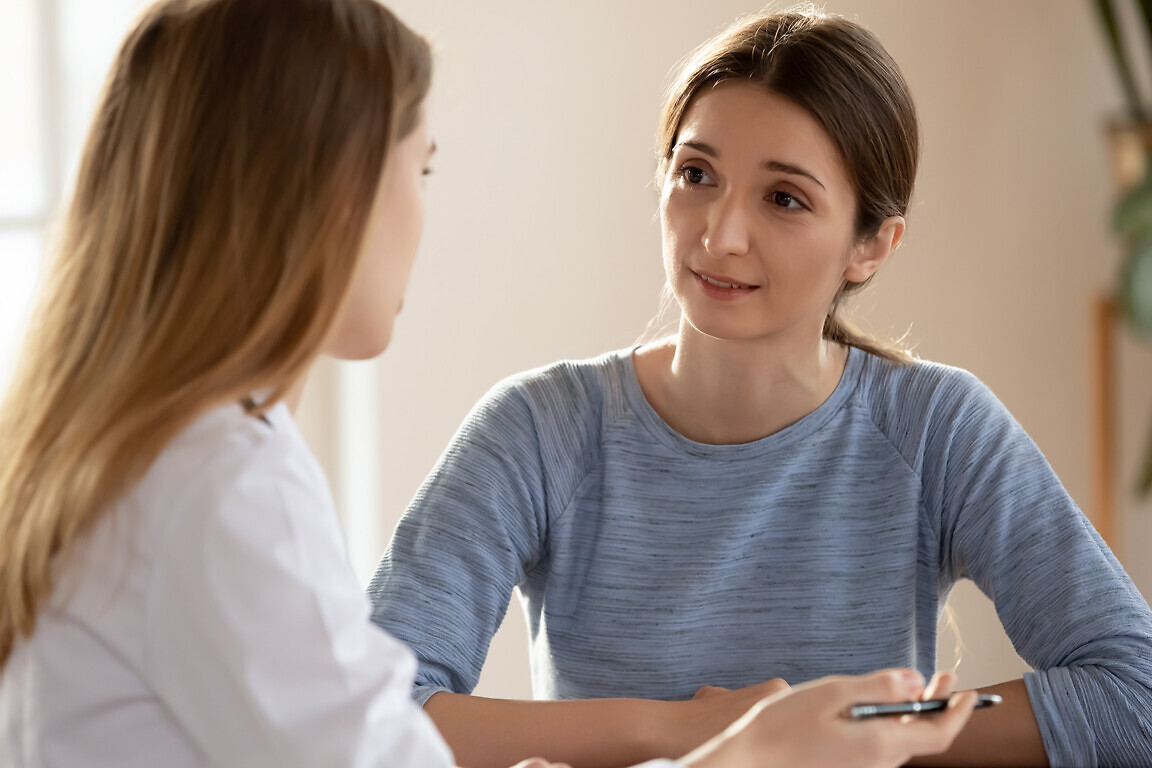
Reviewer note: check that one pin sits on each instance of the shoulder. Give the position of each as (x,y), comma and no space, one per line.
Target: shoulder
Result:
(918,379)
(225,431)
(227,487)
(544,426)
(558,396)
(237,500)
(220,442)
(228,464)
(923,406)
(921,387)
(566,382)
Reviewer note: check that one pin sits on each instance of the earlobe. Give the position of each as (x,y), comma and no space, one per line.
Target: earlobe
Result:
(871,254)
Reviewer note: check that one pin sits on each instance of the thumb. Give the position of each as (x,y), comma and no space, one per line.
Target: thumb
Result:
(887,685)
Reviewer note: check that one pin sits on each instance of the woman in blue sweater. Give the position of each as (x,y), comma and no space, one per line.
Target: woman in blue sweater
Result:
(767,496)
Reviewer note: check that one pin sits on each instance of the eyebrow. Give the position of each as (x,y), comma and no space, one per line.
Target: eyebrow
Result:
(771,165)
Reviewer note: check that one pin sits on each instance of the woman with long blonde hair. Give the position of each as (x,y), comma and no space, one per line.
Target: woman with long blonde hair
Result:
(173,585)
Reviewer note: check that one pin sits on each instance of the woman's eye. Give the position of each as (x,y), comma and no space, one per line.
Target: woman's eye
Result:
(694,175)
(785,200)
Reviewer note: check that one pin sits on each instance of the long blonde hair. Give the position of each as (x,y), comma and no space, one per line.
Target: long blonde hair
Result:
(214,230)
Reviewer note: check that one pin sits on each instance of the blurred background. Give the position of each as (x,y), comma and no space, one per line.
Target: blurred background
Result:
(542,244)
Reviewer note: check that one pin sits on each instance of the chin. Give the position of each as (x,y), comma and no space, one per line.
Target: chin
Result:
(371,351)
(360,355)
(364,347)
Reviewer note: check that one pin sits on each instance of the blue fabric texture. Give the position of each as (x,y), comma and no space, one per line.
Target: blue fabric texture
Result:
(649,564)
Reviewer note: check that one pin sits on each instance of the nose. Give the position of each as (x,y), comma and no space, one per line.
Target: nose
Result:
(727,233)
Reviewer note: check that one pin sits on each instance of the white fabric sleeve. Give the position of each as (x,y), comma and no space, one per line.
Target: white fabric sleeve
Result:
(258,636)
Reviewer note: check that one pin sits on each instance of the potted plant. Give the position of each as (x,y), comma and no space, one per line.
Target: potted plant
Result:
(1131,139)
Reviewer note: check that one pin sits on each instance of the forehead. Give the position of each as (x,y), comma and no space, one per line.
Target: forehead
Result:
(745,122)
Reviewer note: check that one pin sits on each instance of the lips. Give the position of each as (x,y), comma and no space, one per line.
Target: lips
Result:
(722,285)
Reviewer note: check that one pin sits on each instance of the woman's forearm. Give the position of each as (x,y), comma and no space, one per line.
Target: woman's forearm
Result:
(1004,735)
(591,733)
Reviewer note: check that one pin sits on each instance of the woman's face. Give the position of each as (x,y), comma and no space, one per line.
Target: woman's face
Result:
(757,214)
(391,240)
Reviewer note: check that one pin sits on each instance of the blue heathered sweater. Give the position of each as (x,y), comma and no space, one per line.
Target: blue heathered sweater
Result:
(650,564)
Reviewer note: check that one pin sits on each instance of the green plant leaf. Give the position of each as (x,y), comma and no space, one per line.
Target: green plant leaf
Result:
(1106,12)
(1135,289)
(1133,215)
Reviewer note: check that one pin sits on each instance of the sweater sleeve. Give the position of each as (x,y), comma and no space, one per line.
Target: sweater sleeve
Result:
(473,531)
(1068,606)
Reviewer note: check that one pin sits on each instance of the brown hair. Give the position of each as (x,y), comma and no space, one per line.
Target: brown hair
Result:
(841,74)
(214,230)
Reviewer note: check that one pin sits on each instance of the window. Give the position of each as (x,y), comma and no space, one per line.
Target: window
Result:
(54,55)
(25,179)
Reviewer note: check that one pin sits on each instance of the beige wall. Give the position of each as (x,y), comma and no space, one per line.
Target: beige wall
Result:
(541,242)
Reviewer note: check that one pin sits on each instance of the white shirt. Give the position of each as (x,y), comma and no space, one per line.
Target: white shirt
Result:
(212,619)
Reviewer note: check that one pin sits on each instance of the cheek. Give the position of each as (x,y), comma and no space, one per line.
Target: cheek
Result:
(417,220)
(674,226)
(401,226)
(817,276)
(412,218)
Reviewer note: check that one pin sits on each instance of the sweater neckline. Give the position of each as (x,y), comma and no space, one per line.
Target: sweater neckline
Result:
(782,439)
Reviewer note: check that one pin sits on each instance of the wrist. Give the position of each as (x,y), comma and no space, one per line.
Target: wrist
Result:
(655,727)
(676,728)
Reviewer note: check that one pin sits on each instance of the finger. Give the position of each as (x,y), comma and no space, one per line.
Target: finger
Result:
(887,685)
(934,734)
(836,694)
(940,686)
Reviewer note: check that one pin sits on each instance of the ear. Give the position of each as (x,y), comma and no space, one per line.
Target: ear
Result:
(867,257)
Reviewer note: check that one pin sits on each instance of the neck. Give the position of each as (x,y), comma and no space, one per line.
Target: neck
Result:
(722,392)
